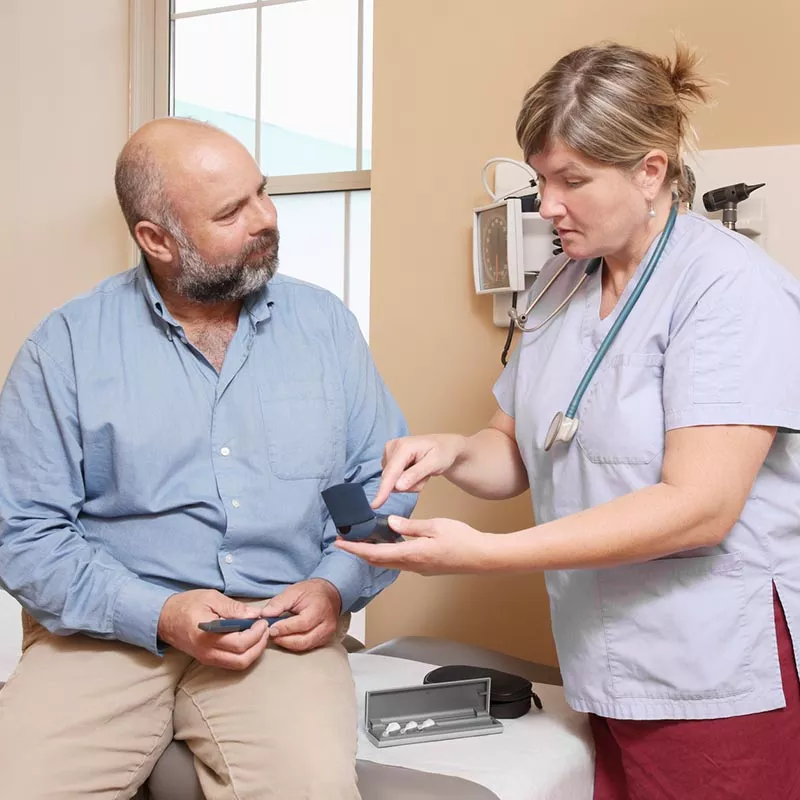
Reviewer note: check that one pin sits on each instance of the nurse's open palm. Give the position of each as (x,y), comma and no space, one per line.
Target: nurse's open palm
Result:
(409,462)
(431,547)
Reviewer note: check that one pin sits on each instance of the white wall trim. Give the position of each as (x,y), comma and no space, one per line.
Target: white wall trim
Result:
(149,61)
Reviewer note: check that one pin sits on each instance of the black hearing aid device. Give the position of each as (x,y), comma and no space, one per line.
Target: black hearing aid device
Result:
(354,518)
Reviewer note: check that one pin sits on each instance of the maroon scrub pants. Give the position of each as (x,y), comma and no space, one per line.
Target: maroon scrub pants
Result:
(752,757)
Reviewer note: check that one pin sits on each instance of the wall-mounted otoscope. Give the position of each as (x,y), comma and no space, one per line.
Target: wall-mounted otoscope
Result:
(727,198)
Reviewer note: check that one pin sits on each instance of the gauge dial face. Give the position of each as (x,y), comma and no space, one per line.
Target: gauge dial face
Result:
(493,227)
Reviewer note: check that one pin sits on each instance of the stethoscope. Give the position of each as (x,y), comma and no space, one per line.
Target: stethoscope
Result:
(565,424)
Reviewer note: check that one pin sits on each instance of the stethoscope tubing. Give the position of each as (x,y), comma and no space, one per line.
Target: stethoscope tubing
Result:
(567,421)
(608,340)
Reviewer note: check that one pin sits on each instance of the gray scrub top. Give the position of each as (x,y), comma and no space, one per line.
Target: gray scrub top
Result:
(713,340)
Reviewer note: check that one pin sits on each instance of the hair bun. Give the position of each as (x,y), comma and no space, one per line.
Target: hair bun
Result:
(683,75)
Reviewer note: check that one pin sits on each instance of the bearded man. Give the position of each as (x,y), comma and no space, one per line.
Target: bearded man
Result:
(164,441)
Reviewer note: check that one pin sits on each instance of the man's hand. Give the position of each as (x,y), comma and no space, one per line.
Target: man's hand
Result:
(316,605)
(180,615)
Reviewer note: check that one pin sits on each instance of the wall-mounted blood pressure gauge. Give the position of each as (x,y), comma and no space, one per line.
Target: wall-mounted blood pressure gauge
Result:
(497,247)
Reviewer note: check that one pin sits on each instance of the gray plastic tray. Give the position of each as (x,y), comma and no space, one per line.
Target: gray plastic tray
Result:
(459,709)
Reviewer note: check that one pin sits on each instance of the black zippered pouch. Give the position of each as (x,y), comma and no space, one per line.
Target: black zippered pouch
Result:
(511,695)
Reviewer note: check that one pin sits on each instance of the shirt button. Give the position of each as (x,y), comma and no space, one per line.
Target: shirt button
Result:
(229,559)
(225,451)
(235,503)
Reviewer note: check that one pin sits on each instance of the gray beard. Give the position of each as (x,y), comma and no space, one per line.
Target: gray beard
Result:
(203,282)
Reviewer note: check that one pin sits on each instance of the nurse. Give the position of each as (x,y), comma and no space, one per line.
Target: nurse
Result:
(669,527)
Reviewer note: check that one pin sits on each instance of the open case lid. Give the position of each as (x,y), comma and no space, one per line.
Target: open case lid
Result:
(470,697)
(347,504)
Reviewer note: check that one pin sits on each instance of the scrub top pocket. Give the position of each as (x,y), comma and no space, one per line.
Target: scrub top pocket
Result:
(674,628)
(622,414)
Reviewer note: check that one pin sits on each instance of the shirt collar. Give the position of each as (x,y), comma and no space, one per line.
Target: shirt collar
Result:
(153,296)
(258,304)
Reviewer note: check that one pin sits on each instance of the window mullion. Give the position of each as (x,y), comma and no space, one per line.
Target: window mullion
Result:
(259,47)
(244,6)
(360,90)
(346,254)
(320,182)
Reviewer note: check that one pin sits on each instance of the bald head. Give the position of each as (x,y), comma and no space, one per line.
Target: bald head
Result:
(196,204)
(157,159)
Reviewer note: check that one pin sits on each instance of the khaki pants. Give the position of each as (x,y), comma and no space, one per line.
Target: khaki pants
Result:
(85,718)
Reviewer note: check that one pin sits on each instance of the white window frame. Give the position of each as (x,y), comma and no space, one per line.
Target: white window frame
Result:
(150,68)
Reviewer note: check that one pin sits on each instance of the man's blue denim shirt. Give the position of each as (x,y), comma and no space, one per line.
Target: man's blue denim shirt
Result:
(130,470)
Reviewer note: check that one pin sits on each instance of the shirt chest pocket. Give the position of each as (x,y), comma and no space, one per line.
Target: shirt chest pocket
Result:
(622,414)
(299,426)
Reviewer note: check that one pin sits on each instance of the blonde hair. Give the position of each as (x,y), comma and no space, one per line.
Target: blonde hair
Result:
(613,104)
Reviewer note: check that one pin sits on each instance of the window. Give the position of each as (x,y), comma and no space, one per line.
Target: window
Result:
(292,80)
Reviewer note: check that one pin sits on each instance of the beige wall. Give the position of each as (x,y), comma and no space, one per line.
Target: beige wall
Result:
(64,98)
(449,76)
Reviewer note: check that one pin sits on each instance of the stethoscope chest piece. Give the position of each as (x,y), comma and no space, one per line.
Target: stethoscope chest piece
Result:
(562,429)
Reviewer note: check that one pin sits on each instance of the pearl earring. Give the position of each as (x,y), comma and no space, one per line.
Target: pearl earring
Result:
(651,212)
